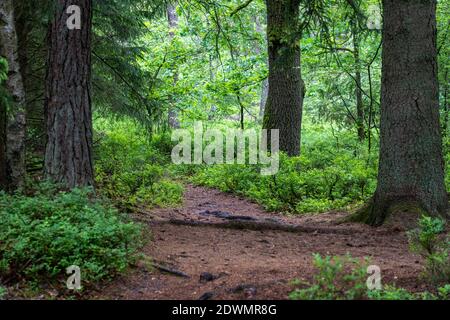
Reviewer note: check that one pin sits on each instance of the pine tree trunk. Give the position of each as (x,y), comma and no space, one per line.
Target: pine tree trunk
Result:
(411,167)
(446,108)
(16,120)
(68,157)
(3,161)
(283,109)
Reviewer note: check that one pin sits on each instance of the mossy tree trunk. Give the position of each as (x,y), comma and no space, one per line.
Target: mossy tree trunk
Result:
(68,157)
(411,166)
(284,104)
(15,121)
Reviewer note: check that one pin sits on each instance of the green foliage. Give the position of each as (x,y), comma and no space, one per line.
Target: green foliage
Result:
(328,175)
(43,234)
(344,278)
(337,278)
(3,292)
(390,292)
(433,245)
(130,169)
(3,77)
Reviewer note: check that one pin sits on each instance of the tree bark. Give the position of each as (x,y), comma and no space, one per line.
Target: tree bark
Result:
(68,157)
(411,166)
(283,109)
(16,118)
(3,180)
(446,108)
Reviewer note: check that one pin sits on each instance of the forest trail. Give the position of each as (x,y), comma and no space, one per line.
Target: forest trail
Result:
(203,237)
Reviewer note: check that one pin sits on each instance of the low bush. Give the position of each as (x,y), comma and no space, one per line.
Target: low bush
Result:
(429,240)
(325,177)
(337,278)
(131,170)
(3,292)
(44,233)
(345,278)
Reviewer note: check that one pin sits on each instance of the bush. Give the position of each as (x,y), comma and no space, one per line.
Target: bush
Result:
(130,168)
(394,293)
(43,234)
(300,186)
(3,292)
(391,293)
(345,278)
(337,278)
(430,242)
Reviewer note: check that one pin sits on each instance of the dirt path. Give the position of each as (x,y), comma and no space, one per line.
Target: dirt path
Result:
(251,264)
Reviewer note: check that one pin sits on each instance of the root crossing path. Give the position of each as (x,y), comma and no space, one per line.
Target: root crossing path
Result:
(220,246)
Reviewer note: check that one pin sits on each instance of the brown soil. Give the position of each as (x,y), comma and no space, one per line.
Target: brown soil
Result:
(252,264)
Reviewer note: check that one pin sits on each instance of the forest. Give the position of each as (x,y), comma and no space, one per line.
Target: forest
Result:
(224,150)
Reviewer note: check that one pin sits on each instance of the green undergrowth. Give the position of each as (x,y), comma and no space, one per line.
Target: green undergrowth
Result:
(132,169)
(330,174)
(44,232)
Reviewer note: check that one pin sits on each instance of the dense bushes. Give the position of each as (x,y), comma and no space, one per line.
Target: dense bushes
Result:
(329,174)
(43,234)
(130,168)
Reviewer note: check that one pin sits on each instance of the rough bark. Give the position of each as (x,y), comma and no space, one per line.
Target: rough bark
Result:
(68,157)
(446,108)
(283,109)
(173,24)
(3,180)
(16,118)
(411,166)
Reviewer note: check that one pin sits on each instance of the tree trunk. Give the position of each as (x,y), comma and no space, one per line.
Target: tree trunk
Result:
(173,24)
(446,109)
(286,88)
(16,120)
(358,90)
(3,180)
(411,167)
(68,157)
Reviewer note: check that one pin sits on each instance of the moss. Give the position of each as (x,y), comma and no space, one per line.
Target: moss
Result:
(376,215)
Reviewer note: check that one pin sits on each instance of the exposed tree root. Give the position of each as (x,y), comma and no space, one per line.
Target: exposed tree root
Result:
(257,226)
(383,212)
(170,270)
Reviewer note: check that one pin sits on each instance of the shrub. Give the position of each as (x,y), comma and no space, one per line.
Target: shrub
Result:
(394,293)
(130,168)
(429,241)
(337,278)
(3,292)
(391,293)
(300,186)
(43,234)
